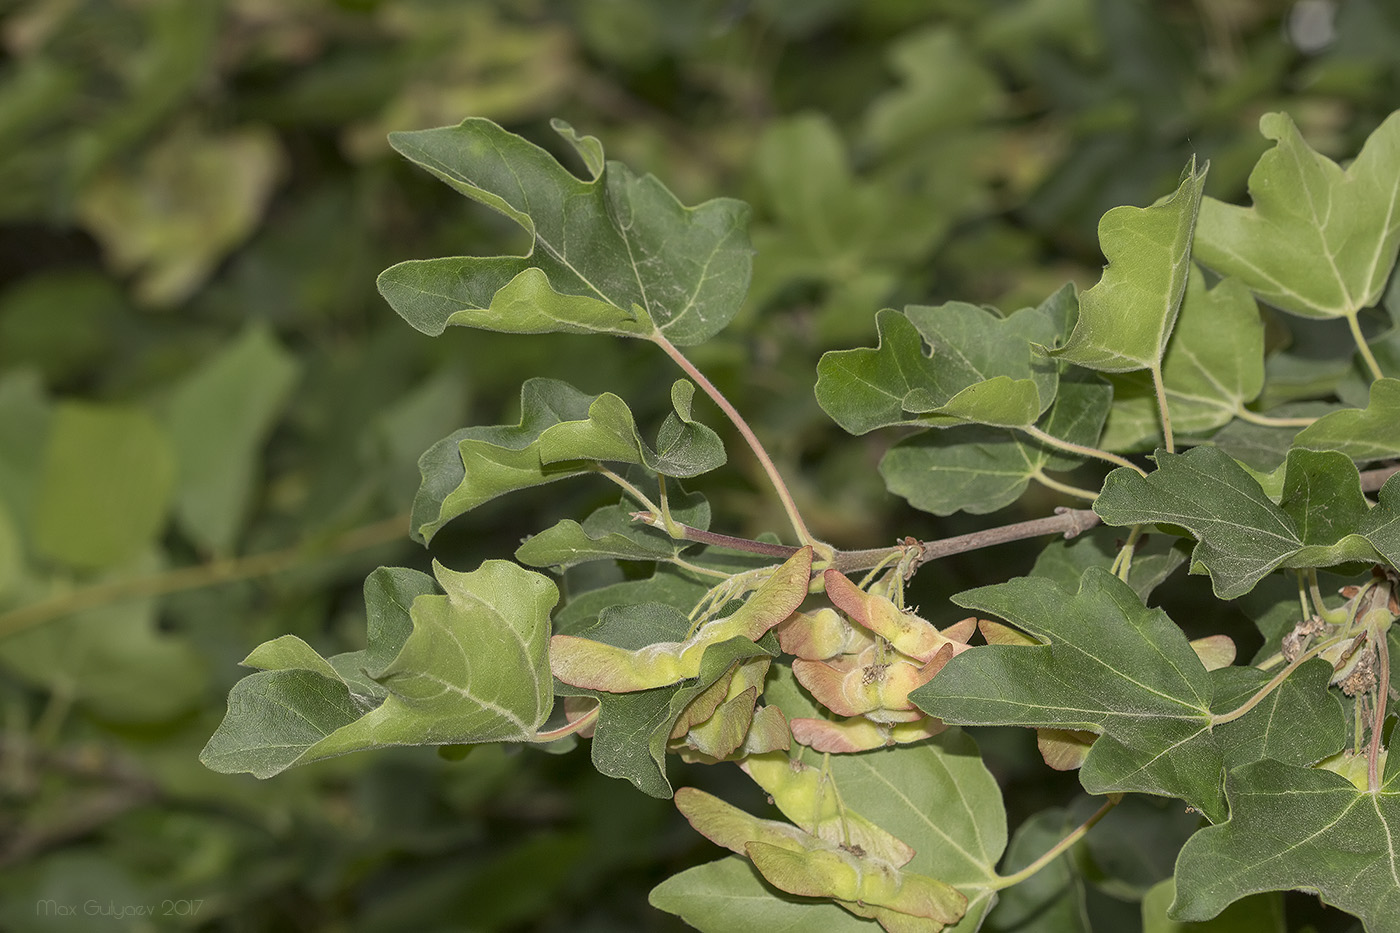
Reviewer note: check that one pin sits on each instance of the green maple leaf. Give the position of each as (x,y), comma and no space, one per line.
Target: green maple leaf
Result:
(611,533)
(1064,561)
(1213,365)
(981,371)
(1126,319)
(979,469)
(1364,434)
(1299,723)
(1319,241)
(613,254)
(562,433)
(469,665)
(1110,666)
(1298,828)
(1322,518)
(939,797)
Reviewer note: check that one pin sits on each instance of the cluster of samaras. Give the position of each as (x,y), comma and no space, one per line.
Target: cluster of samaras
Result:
(860,662)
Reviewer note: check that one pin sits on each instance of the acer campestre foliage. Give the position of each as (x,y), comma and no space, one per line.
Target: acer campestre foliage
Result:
(801,664)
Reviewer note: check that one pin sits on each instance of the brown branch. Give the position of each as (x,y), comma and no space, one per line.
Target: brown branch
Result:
(1067,522)
(1372,480)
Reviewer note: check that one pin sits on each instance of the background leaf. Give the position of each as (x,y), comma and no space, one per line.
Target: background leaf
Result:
(220,416)
(108,478)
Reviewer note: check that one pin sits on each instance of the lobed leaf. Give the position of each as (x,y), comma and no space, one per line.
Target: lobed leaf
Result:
(1110,666)
(466,666)
(1213,365)
(1319,241)
(1370,433)
(562,433)
(1126,319)
(1298,828)
(1300,723)
(613,254)
(981,369)
(1321,520)
(978,469)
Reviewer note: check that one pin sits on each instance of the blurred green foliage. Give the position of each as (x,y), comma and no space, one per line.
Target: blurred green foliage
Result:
(196,369)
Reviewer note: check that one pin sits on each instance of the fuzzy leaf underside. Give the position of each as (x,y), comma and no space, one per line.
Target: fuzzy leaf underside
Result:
(562,433)
(1126,319)
(469,665)
(613,254)
(1318,241)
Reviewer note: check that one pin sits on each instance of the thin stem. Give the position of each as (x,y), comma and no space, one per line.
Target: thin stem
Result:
(1373,777)
(1067,522)
(1333,616)
(1269,687)
(227,570)
(1059,848)
(1161,391)
(697,569)
(1065,488)
(748,545)
(1303,603)
(635,493)
(579,724)
(1355,324)
(1253,417)
(1123,560)
(1080,449)
(732,413)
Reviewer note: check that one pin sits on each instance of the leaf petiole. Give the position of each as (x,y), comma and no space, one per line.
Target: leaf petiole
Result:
(1059,848)
(1355,324)
(1161,390)
(821,550)
(639,496)
(1272,685)
(1080,449)
(1049,483)
(1253,417)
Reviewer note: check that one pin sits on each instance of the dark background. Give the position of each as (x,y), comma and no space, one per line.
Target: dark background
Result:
(195,198)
